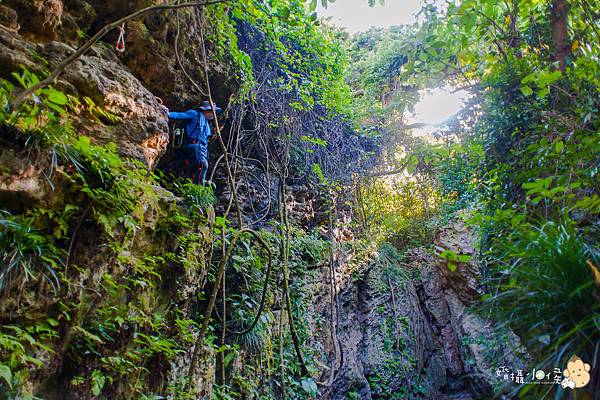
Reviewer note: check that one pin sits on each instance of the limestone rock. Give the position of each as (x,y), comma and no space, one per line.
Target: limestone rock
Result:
(39,18)
(8,18)
(203,378)
(140,129)
(408,330)
(21,182)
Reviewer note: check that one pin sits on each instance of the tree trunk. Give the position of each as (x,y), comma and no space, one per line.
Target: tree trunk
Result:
(515,37)
(560,33)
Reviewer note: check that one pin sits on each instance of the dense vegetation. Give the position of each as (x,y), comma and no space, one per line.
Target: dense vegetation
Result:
(520,162)
(319,107)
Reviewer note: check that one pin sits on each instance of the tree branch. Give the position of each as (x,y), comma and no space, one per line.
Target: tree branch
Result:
(560,32)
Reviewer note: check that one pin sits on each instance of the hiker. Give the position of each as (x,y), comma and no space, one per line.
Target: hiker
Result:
(197,130)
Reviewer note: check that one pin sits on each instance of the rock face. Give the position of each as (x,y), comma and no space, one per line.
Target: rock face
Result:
(149,41)
(21,183)
(137,124)
(405,330)
(126,113)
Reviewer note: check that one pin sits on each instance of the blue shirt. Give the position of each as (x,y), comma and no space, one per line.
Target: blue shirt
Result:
(197,127)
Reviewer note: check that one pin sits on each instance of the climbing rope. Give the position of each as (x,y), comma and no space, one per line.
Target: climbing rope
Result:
(120,45)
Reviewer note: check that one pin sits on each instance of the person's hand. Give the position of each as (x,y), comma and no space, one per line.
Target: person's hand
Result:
(164,109)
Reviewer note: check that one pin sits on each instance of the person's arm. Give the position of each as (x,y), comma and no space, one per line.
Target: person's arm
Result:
(190,114)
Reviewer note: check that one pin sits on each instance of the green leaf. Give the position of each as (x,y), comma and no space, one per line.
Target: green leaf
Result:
(557,190)
(228,358)
(449,255)
(88,335)
(468,21)
(452,266)
(463,258)
(20,79)
(57,97)
(559,146)
(526,90)
(529,78)
(536,200)
(531,185)
(6,374)
(310,387)
(98,381)
(413,162)
(546,78)
(543,92)
(56,108)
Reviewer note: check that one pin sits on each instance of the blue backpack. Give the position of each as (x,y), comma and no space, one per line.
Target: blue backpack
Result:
(179,133)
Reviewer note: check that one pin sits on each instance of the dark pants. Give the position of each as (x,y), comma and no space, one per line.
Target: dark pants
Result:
(197,161)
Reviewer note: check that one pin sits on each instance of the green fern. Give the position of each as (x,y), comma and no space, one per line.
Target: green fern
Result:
(25,255)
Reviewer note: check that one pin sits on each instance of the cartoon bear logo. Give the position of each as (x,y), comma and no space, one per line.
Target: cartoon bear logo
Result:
(577,374)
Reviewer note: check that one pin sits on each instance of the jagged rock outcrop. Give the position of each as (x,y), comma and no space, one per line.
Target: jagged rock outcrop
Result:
(407,329)
(22,184)
(150,41)
(124,85)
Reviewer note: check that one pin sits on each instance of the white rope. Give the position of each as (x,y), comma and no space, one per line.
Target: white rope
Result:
(120,46)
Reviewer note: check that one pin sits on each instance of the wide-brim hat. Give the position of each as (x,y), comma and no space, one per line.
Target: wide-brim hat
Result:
(205,106)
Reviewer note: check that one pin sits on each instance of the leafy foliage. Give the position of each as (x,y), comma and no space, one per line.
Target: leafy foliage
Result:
(521,158)
(551,268)
(27,255)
